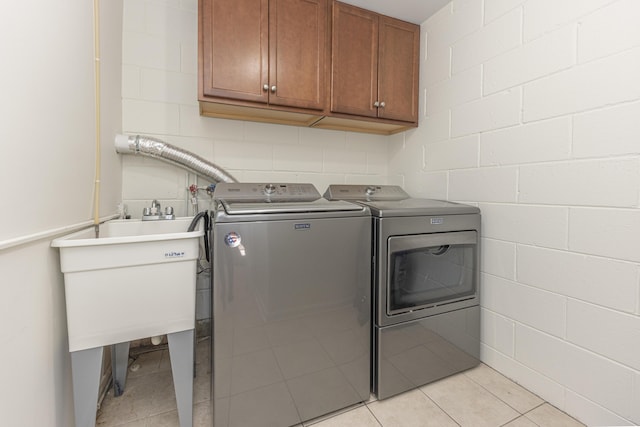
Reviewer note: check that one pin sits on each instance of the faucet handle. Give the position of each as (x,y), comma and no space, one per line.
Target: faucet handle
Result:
(168,213)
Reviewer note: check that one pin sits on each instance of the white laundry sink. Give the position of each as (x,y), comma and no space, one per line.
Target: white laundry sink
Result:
(137,280)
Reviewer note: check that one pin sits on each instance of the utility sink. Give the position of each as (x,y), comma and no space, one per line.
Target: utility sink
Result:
(137,280)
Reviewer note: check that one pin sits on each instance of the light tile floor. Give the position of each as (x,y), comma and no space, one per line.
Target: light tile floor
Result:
(478,397)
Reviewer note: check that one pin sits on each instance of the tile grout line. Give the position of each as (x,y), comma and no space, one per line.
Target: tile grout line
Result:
(439,407)
(531,410)
(374,415)
(500,399)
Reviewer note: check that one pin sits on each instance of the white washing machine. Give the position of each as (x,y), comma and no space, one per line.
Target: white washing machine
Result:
(291,298)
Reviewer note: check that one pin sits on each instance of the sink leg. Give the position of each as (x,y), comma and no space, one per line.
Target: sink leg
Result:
(85,371)
(119,365)
(181,355)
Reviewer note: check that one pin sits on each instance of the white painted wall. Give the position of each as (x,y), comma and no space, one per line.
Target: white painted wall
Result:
(47,173)
(531,110)
(160,99)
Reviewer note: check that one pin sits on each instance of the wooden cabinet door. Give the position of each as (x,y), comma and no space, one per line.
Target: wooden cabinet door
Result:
(235,54)
(298,40)
(354,86)
(398,70)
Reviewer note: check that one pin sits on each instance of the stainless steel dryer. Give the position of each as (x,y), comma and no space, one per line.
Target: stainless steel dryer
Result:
(426,256)
(291,304)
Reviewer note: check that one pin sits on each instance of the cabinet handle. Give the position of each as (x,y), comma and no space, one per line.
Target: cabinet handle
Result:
(376,104)
(382,104)
(273,89)
(265,87)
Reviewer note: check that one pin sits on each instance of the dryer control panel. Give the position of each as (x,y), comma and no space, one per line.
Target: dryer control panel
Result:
(265,192)
(365,192)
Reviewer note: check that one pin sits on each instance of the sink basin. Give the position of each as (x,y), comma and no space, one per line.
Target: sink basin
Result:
(137,280)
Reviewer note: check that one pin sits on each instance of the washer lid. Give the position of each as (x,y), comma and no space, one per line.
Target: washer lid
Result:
(321,205)
(417,207)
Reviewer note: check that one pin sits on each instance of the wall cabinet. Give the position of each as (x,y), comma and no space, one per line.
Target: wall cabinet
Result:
(272,61)
(374,65)
(264,53)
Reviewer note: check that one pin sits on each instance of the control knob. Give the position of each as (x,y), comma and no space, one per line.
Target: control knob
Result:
(370,190)
(269,189)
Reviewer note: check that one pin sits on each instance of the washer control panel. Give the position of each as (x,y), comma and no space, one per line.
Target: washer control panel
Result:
(365,192)
(265,192)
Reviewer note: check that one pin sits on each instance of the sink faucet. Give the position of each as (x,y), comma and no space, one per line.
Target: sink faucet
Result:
(155,212)
(155,207)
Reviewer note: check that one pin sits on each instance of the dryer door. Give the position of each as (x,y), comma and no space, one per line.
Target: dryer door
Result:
(428,271)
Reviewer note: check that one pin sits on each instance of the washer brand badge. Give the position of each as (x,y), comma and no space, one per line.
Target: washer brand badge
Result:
(302,226)
(232,239)
(174,254)
(437,221)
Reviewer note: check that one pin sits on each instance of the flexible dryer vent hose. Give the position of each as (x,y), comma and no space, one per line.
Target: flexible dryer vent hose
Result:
(153,147)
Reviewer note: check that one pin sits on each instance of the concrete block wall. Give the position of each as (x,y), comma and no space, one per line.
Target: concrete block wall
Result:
(159,91)
(531,110)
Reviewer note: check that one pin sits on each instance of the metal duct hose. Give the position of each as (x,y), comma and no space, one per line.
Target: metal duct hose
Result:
(161,150)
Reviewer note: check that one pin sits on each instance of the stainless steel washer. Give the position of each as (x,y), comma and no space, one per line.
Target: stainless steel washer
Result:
(426,286)
(291,295)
